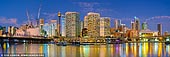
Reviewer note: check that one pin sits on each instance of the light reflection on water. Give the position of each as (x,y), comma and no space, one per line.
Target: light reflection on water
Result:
(110,50)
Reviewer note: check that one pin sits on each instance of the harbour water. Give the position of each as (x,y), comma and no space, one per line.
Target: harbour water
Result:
(97,50)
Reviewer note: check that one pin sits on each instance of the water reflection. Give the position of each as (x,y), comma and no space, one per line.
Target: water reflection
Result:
(110,50)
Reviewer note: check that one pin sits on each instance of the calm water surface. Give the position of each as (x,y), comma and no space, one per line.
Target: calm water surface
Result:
(110,50)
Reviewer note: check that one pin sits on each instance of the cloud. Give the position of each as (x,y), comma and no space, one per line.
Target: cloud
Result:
(158,17)
(97,7)
(49,16)
(4,20)
(87,6)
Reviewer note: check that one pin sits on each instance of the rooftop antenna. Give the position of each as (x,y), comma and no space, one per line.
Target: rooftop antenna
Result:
(38,16)
(39,10)
(28,17)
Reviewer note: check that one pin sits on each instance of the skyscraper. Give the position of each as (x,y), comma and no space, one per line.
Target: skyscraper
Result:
(59,24)
(93,27)
(119,23)
(137,24)
(116,24)
(122,28)
(133,25)
(63,24)
(53,28)
(41,26)
(72,24)
(85,22)
(159,28)
(104,26)
(81,28)
(144,26)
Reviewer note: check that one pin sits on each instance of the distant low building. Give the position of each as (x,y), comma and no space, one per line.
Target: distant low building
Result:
(166,33)
(133,33)
(148,33)
(1,32)
(19,32)
(33,32)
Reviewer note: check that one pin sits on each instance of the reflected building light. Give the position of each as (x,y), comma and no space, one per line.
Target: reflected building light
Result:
(156,48)
(140,50)
(159,49)
(86,51)
(127,51)
(63,53)
(41,49)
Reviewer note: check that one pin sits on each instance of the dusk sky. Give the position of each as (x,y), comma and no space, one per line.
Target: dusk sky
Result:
(13,12)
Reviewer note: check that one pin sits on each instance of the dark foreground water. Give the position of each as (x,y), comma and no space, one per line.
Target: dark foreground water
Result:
(110,50)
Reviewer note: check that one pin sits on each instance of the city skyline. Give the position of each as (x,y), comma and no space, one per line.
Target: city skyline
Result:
(14,12)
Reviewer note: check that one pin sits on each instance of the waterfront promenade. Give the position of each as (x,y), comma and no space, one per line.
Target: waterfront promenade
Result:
(85,40)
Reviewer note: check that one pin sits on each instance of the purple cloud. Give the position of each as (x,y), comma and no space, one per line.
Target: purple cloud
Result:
(5,20)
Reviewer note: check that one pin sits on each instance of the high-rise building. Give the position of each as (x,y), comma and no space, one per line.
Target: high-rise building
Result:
(85,22)
(72,24)
(137,24)
(46,28)
(122,28)
(93,24)
(104,26)
(133,25)
(63,25)
(81,28)
(41,26)
(144,26)
(84,32)
(116,24)
(159,28)
(119,23)
(59,24)
(53,28)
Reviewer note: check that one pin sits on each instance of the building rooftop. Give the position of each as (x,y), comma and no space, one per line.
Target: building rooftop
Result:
(147,31)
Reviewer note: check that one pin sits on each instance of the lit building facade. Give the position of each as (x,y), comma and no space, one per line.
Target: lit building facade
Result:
(137,24)
(63,26)
(41,21)
(104,26)
(53,28)
(72,24)
(46,28)
(133,25)
(116,23)
(159,28)
(166,33)
(20,32)
(11,30)
(147,33)
(1,32)
(33,32)
(85,22)
(50,28)
(93,27)
(81,28)
(144,26)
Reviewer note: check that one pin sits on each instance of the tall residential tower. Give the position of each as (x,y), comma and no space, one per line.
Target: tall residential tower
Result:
(104,26)
(92,22)
(72,24)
